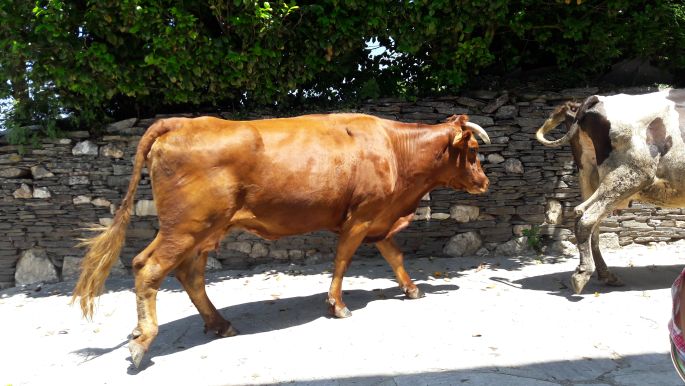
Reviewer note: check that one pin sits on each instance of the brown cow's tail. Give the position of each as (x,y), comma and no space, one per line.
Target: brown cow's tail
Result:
(103,249)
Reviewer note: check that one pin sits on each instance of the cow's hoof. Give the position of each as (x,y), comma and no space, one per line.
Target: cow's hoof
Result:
(224,329)
(340,312)
(414,293)
(227,331)
(578,282)
(137,352)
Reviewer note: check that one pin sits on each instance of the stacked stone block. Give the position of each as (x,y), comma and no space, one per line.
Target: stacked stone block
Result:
(50,195)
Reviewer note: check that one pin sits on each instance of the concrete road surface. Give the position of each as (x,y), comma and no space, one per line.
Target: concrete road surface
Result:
(484,321)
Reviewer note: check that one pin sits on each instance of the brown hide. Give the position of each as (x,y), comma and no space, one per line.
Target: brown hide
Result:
(356,175)
(282,177)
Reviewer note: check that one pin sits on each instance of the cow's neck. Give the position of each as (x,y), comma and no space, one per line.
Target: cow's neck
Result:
(421,158)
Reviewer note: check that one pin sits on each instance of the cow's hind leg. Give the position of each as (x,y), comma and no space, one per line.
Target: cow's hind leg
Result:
(150,267)
(350,238)
(191,274)
(618,185)
(603,272)
(393,255)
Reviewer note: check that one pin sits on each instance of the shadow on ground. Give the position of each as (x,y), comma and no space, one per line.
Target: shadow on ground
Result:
(640,278)
(372,268)
(596,371)
(258,317)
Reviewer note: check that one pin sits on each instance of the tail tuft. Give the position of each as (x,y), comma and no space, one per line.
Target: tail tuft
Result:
(103,251)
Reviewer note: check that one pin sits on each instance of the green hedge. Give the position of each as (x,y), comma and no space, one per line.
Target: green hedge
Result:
(93,60)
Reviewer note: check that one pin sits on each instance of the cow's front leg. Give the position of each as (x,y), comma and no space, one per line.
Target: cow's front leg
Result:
(617,186)
(350,238)
(392,254)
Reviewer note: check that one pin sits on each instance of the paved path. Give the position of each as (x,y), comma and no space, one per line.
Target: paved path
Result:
(484,321)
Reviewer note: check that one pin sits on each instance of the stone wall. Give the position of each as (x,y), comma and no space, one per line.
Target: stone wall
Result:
(51,193)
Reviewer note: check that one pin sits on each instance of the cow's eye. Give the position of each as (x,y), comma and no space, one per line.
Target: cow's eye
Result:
(472,150)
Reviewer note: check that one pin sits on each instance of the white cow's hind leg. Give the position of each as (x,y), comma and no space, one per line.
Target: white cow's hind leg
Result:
(603,273)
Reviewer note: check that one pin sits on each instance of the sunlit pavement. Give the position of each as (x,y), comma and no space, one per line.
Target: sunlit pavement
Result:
(484,321)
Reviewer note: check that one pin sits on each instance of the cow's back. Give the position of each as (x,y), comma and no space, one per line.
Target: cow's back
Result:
(289,175)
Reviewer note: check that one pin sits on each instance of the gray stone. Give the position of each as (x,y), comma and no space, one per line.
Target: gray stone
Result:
(635,224)
(41,193)
(39,172)
(121,125)
(506,112)
(85,148)
(481,120)
(423,213)
(295,254)
(464,213)
(145,208)
(482,252)
(495,158)
(608,241)
(78,180)
(13,172)
(562,247)
(111,151)
(496,103)
(440,216)
(512,165)
(259,250)
(213,264)
(105,221)
(71,267)
(35,267)
(80,200)
(518,229)
(513,247)
(101,202)
(278,254)
(24,191)
(118,269)
(465,101)
(463,244)
(240,246)
(314,258)
(530,122)
(554,212)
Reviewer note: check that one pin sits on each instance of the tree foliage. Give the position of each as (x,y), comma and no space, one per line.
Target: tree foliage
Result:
(92,60)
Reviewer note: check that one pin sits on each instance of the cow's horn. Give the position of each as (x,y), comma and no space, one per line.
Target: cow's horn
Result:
(568,110)
(479,130)
(550,123)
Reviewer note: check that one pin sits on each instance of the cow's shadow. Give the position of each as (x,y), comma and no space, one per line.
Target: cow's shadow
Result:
(259,317)
(639,278)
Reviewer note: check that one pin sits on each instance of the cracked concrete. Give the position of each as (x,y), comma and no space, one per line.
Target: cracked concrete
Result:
(484,321)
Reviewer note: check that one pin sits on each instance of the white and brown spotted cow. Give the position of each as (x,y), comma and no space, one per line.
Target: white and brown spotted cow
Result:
(627,147)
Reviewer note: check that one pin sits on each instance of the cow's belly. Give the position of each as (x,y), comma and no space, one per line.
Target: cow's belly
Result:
(668,186)
(663,193)
(276,222)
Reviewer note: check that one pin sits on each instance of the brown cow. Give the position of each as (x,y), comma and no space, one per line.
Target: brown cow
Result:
(359,176)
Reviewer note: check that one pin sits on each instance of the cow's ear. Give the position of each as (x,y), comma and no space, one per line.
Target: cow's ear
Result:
(458,135)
